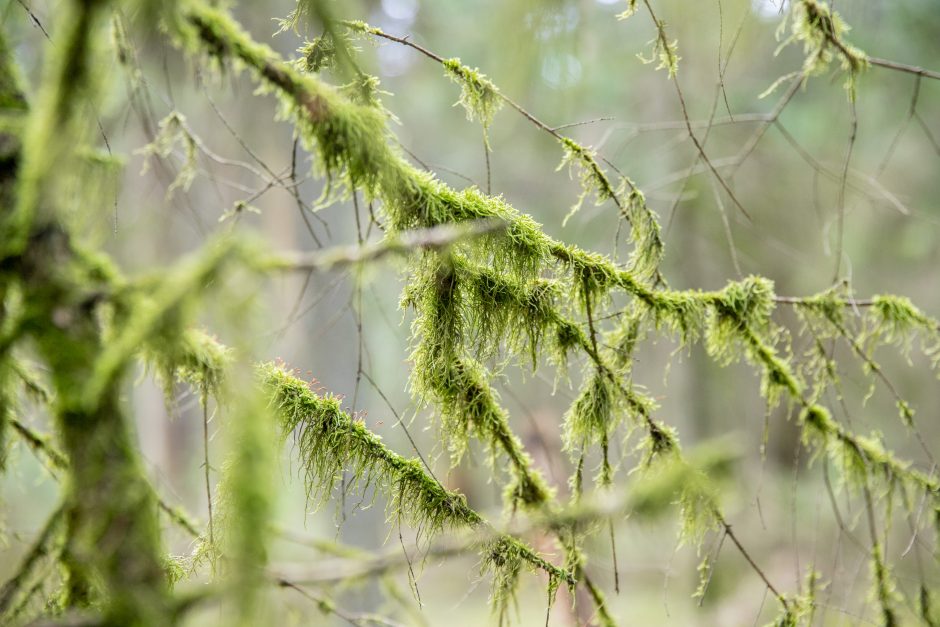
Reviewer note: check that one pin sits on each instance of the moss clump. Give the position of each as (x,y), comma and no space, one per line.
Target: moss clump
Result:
(589,173)
(317,54)
(478,96)
(896,320)
(822,33)
(174,130)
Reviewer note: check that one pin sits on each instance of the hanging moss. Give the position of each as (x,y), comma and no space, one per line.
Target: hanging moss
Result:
(740,327)
(662,49)
(504,558)
(245,502)
(592,179)
(671,480)
(859,457)
(629,11)
(482,100)
(162,317)
(594,413)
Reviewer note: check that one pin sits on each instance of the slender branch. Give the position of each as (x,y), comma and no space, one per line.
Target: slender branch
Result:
(350,443)
(433,238)
(903,67)
(661,34)
(802,300)
(586,155)
(328,607)
(747,556)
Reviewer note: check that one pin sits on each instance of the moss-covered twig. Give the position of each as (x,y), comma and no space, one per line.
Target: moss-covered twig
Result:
(329,441)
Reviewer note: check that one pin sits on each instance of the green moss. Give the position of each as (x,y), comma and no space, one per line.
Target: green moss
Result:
(55,125)
(663,49)
(671,480)
(162,316)
(194,358)
(593,181)
(629,11)
(739,327)
(246,497)
(522,294)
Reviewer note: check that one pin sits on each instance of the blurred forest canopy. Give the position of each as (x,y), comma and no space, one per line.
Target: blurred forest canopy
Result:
(641,330)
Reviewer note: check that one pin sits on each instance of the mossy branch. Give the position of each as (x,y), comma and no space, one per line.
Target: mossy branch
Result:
(348,140)
(329,441)
(478,95)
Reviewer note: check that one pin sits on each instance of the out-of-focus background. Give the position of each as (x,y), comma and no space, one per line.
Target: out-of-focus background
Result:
(569,62)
